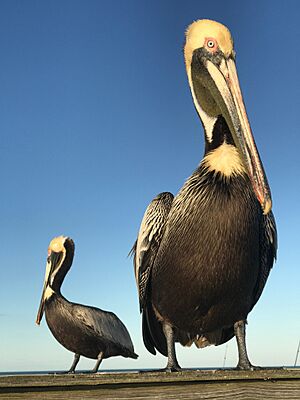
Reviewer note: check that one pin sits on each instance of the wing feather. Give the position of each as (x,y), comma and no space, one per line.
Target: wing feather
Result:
(105,324)
(268,247)
(148,241)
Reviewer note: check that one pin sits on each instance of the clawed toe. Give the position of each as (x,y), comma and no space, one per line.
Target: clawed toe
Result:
(173,368)
(169,369)
(247,367)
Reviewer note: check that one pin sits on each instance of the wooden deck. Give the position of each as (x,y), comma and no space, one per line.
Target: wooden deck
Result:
(218,384)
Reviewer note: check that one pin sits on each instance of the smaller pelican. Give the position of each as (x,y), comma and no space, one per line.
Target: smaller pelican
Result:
(86,331)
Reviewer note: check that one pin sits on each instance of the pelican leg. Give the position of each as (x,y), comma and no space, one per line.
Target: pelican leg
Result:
(73,366)
(172,365)
(240,334)
(96,367)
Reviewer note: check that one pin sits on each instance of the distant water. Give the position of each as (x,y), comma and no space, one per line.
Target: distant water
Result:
(118,371)
(101,371)
(59,372)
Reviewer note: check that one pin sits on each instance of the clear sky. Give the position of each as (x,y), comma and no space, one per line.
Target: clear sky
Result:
(96,119)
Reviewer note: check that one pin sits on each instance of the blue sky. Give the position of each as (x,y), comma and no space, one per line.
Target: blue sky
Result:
(96,119)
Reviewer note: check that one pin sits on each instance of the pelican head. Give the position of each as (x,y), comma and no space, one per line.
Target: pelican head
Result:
(59,261)
(210,63)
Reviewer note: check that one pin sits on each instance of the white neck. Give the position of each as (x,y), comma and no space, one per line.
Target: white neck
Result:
(207,120)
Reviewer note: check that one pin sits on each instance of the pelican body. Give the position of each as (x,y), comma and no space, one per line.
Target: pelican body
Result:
(202,258)
(87,331)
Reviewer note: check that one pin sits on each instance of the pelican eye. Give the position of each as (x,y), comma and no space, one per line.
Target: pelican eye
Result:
(210,44)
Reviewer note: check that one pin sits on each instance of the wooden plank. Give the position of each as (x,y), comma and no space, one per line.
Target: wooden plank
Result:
(242,391)
(57,380)
(219,384)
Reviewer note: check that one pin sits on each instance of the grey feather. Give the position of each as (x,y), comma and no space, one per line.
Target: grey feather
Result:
(268,248)
(149,239)
(105,324)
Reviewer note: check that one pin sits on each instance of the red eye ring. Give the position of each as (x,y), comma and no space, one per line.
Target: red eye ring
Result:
(211,44)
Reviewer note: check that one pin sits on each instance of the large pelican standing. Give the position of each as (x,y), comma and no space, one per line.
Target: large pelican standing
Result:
(202,258)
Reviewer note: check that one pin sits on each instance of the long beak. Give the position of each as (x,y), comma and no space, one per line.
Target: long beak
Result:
(225,89)
(52,261)
(46,283)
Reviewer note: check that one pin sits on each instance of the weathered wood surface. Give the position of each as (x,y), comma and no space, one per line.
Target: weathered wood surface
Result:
(219,384)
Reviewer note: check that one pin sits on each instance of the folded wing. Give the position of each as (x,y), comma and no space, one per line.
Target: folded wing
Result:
(148,241)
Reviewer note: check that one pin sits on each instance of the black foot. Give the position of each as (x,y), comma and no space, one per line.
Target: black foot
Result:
(62,372)
(172,369)
(167,369)
(88,372)
(247,367)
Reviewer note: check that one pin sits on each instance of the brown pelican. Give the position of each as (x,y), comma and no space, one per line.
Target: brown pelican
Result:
(84,330)
(202,258)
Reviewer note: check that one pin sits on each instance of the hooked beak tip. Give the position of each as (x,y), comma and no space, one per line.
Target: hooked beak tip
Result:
(267,206)
(38,319)
(40,313)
